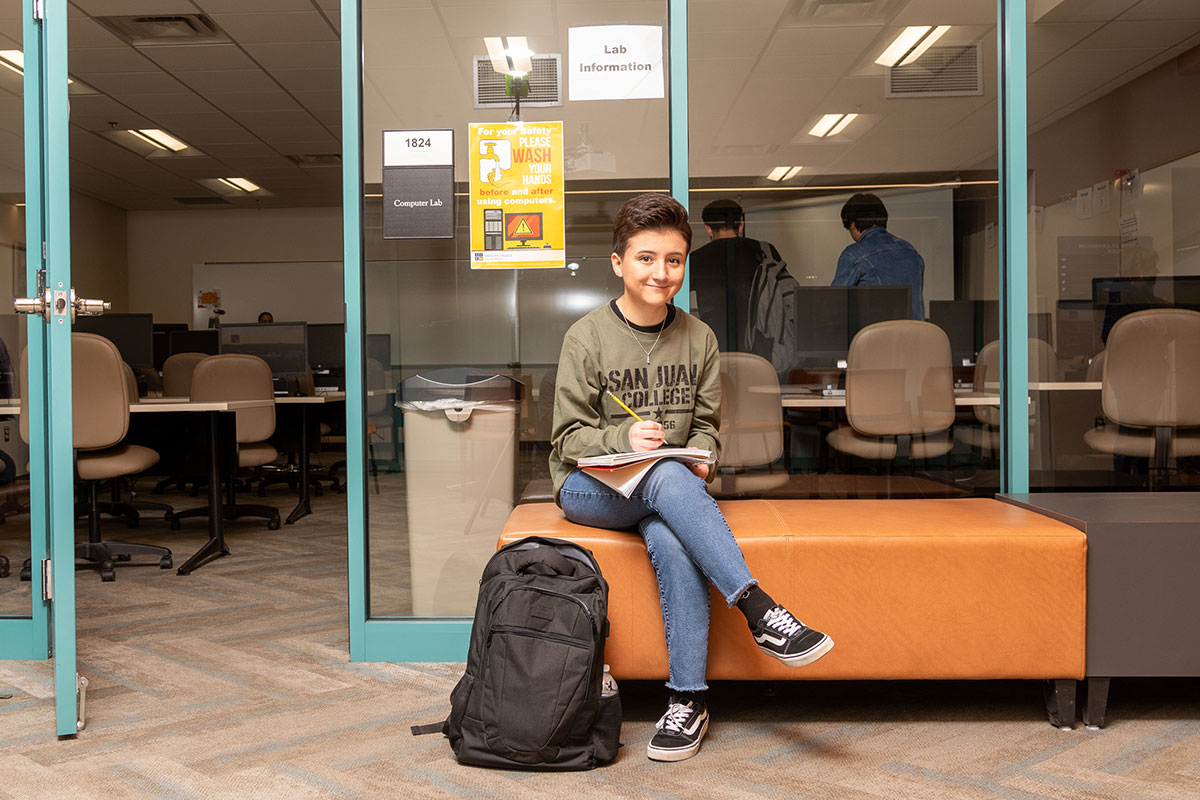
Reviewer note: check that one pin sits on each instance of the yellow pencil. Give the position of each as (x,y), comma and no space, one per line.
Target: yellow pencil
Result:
(622,405)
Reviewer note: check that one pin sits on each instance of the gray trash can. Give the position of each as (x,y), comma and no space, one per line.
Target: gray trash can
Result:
(460,451)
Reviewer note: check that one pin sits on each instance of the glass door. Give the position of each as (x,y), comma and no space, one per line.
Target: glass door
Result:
(37,615)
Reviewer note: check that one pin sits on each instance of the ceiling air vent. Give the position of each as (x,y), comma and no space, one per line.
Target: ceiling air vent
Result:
(201,201)
(944,71)
(545,84)
(314,160)
(171,29)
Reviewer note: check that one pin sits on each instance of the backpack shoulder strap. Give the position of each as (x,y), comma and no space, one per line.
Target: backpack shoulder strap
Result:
(432,727)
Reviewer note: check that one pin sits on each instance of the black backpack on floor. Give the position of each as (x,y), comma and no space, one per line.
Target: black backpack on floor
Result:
(531,697)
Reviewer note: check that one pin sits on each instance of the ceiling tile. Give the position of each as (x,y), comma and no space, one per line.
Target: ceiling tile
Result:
(86,61)
(225,81)
(307,26)
(296,54)
(317,80)
(200,57)
(1156,33)
(254,101)
(86,32)
(114,8)
(125,84)
(153,105)
(228,6)
(1163,9)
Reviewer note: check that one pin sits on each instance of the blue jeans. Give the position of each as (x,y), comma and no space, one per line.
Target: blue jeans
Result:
(689,543)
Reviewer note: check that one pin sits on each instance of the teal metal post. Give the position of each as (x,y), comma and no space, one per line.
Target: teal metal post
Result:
(1014,249)
(352,243)
(58,377)
(677,51)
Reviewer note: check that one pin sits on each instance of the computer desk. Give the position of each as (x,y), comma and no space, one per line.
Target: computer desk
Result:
(802,397)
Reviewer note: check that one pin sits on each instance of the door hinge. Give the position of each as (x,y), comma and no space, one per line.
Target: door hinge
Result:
(39,9)
(47,575)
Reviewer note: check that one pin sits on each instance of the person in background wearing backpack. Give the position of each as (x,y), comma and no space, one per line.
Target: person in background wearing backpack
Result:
(665,363)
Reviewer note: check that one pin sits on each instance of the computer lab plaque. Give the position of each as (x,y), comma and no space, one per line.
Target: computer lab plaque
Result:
(418,184)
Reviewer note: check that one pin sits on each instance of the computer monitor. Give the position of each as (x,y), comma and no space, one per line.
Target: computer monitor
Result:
(206,341)
(133,334)
(1116,297)
(828,317)
(327,345)
(283,345)
(969,325)
(162,341)
(379,348)
(1078,323)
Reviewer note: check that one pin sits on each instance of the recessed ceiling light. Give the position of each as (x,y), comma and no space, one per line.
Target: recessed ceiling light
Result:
(510,58)
(14,60)
(910,44)
(241,184)
(791,173)
(832,124)
(777,174)
(160,139)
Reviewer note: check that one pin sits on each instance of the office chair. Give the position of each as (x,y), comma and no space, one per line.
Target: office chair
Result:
(751,430)
(100,419)
(1095,370)
(177,374)
(236,376)
(289,473)
(899,393)
(1151,388)
(379,419)
(131,508)
(1043,366)
(3,566)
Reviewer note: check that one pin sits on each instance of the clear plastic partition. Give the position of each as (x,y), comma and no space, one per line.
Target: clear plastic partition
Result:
(844,203)
(461,360)
(1114,246)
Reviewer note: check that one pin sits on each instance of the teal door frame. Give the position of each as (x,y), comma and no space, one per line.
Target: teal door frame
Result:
(50,630)
(446,639)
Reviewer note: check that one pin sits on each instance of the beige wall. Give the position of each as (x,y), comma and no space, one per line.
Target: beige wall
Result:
(163,246)
(99,253)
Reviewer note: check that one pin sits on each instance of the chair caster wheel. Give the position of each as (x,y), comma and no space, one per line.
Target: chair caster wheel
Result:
(4,572)
(107,575)
(273,524)
(165,562)
(124,557)
(26,574)
(175,524)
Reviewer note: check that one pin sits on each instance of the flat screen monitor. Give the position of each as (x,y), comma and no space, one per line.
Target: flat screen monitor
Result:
(133,334)
(201,341)
(162,341)
(1078,325)
(969,325)
(283,345)
(379,348)
(828,317)
(1116,297)
(327,345)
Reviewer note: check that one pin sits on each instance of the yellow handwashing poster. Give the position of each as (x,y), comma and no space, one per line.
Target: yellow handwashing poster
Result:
(517,219)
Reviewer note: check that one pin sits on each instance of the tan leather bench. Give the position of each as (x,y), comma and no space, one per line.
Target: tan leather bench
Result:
(908,589)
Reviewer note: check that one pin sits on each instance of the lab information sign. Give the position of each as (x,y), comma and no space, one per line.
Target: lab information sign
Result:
(517,219)
(418,184)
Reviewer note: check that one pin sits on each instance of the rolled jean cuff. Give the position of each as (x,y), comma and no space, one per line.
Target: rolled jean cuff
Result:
(702,688)
(733,598)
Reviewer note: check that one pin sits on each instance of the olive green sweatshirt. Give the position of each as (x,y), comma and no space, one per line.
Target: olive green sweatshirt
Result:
(678,385)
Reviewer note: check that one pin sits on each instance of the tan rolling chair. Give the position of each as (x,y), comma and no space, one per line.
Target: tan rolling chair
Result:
(379,422)
(290,472)
(1151,387)
(899,393)
(236,376)
(751,429)
(100,419)
(1095,370)
(177,373)
(1043,366)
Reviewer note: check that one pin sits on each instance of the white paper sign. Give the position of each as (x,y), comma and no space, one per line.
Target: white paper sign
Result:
(1100,197)
(615,62)
(418,148)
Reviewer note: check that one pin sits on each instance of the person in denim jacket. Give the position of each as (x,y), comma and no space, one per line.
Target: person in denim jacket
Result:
(877,257)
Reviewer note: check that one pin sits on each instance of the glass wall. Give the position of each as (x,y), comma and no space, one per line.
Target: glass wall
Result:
(14,453)
(461,361)
(1114,243)
(843,188)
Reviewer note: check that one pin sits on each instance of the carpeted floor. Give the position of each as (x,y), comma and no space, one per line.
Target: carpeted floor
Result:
(235,682)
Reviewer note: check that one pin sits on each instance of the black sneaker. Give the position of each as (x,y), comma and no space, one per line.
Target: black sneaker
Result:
(679,731)
(781,635)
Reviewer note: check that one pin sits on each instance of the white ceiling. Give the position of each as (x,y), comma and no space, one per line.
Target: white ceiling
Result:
(760,73)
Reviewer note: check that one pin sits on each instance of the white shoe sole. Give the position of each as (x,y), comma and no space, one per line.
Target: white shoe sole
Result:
(680,754)
(805,658)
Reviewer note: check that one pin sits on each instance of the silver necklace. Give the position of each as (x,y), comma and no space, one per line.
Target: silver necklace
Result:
(661,325)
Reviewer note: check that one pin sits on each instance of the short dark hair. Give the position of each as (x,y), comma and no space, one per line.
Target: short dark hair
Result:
(649,212)
(723,213)
(865,211)
(269,316)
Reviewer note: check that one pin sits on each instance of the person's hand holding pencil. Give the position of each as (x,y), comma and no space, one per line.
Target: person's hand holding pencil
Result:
(644,435)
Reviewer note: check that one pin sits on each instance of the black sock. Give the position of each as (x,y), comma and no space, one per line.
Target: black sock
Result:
(697,698)
(755,603)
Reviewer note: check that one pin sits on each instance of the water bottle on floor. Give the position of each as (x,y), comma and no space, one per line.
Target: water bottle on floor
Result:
(608,684)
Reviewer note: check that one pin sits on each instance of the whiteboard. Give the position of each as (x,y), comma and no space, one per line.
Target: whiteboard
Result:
(303,291)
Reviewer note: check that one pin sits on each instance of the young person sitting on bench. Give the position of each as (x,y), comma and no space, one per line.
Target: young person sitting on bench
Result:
(663,364)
